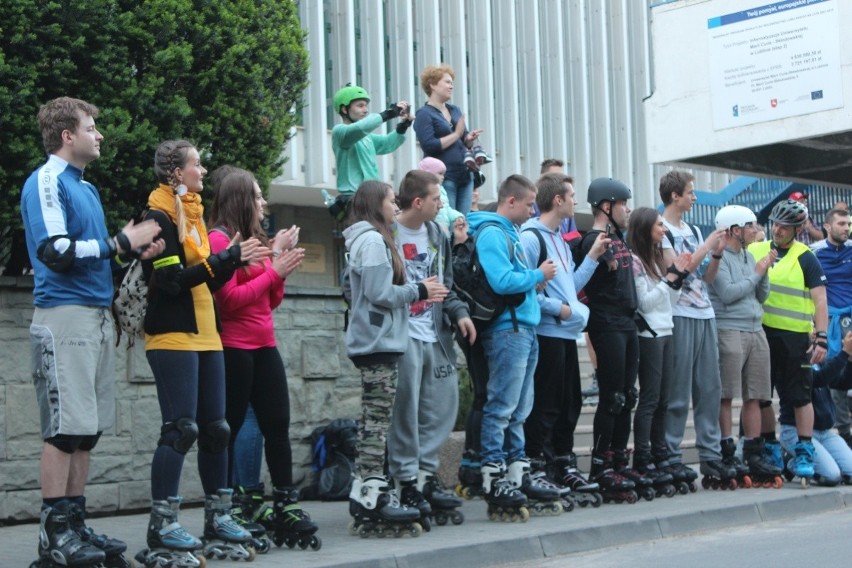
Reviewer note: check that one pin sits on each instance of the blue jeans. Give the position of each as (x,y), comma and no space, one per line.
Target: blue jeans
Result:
(512,358)
(832,457)
(248,452)
(459,196)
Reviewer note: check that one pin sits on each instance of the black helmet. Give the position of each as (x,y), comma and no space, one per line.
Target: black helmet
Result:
(607,189)
(789,212)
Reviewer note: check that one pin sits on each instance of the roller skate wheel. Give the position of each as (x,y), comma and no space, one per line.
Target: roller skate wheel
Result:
(692,488)
(568,505)
(262,545)
(425,524)
(459,490)
(291,542)
(440,519)
(303,543)
(554,508)
(363,532)
(415,530)
(805,483)
(732,484)
(202,561)
(777,483)
(682,488)
(598,500)
(524,514)
(351,529)
(648,494)
(457,518)
(669,491)
(705,483)
(252,553)
(316,542)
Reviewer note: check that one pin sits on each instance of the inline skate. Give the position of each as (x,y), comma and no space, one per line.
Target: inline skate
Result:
(505,503)
(716,475)
(59,544)
(289,523)
(411,497)
(729,458)
(661,481)
(224,538)
(470,475)
(773,453)
(684,477)
(376,511)
(169,544)
(801,463)
(762,472)
(583,491)
(614,487)
(444,504)
(543,498)
(251,512)
(114,549)
(644,484)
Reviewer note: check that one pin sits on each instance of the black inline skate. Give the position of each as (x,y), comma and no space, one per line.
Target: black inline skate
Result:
(644,484)
(410,496)
(444,504)
(249,512)
(289,523)
(684,477)
(543,498)
(583,491)
(762,472)
(169,544)
(113,548)
(661,481)
(716,475)
(614,487)
(223,537)
(541,475)
(743,477)
(470,475)
(376,511)
(505,503)
(59,544)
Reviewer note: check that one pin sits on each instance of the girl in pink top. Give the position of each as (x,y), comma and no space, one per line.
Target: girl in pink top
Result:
(254,370)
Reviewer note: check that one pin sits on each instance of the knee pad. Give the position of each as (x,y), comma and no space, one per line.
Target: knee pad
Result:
(215,436)
(179,434)
(765,403)
(615,403)
(631,398)
(88,443)
(66,443)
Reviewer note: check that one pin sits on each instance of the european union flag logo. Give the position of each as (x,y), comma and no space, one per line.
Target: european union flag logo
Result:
(816,95)
(736,110)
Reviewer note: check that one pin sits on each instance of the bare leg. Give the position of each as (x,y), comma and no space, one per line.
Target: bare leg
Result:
(55,472)
(725,418)
(751,418)
(79,472)
(805,420)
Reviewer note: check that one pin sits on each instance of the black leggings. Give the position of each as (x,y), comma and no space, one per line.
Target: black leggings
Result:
(618,363)
(190,384)
(257,376)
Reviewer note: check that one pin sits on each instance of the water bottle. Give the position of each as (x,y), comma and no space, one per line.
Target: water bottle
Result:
(327,198)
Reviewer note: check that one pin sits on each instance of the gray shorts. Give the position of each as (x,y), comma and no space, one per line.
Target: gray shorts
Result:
(744,365)
(73,356)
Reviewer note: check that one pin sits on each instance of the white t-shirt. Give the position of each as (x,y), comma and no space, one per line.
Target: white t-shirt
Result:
(694,301)
(417,256)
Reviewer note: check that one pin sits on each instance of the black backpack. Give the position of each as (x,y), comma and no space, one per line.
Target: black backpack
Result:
(334,450)
(472,287)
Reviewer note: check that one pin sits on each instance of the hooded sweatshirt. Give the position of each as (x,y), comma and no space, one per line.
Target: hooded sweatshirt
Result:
(506,274)
(562,289)
(378,319)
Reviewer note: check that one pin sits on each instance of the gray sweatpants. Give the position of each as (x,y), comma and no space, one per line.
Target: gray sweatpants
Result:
(696,373)
(424,410)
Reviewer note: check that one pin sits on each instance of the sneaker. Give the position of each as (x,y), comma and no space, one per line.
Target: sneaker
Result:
(481,156)
(593,389)
(470,161)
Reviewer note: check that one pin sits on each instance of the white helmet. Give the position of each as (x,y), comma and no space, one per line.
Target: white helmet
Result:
(734,216)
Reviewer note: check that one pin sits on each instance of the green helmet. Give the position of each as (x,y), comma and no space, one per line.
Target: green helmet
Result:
(347,94)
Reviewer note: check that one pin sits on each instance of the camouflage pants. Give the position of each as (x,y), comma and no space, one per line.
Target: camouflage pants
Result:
(378,387)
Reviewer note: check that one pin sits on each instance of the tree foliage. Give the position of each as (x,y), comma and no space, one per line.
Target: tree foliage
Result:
(225,74)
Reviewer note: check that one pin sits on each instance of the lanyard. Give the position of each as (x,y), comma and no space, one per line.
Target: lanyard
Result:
(556,248)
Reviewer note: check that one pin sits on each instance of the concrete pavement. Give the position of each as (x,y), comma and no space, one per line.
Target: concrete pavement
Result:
(482,543)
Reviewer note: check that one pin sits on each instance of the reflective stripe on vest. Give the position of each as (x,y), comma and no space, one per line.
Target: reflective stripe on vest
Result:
(789,305)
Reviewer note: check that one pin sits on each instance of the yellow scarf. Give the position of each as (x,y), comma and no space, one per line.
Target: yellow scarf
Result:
(163,199)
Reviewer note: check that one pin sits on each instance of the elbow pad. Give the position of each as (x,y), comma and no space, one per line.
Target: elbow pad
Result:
(53,259)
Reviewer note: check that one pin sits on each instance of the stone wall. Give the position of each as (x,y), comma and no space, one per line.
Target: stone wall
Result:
(309,328)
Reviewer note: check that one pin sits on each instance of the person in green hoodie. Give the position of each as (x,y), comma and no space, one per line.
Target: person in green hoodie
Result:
(354,143)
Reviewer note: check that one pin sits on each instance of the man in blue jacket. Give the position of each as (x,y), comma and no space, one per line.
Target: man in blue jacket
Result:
(557,401)
(509,341)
